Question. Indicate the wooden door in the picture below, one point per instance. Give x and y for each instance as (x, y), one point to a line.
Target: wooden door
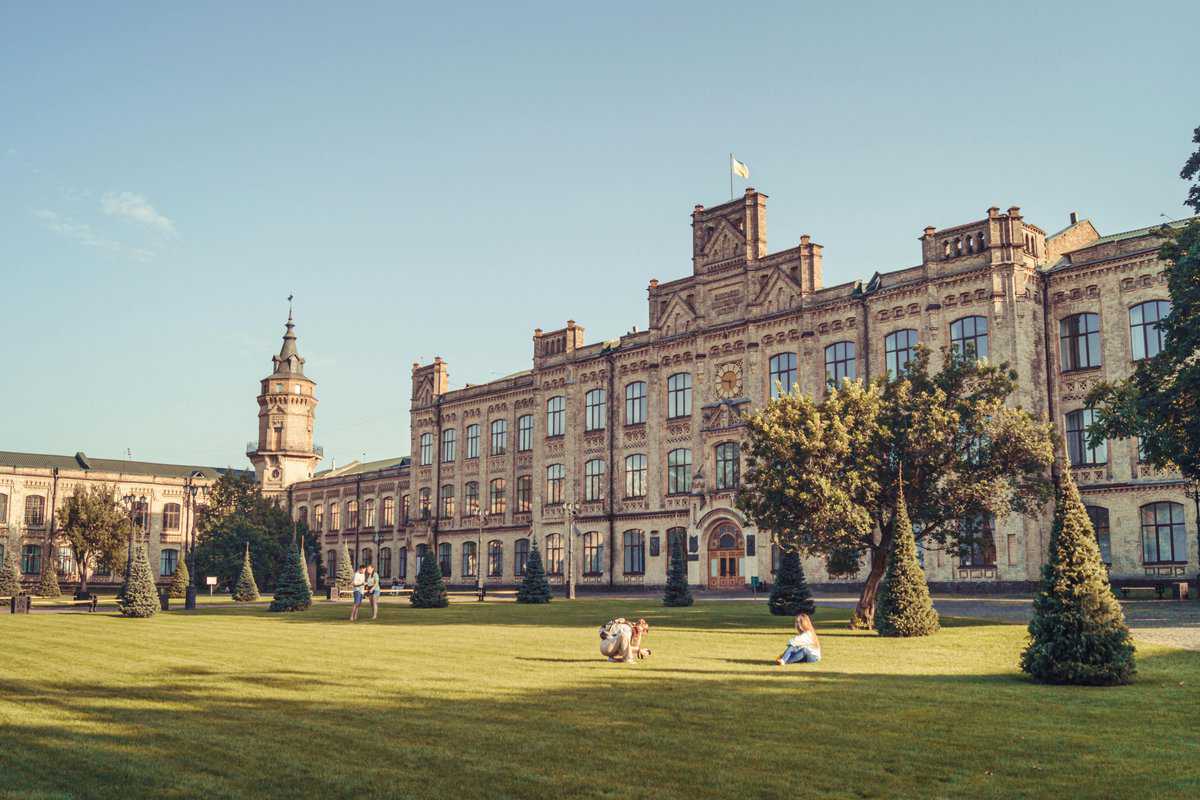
(725, 553)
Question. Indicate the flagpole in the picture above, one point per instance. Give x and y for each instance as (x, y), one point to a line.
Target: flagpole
(731, 176)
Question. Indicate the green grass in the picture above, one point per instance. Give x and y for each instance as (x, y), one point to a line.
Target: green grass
(500, 700)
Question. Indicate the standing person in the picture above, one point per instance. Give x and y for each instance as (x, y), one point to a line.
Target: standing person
(805, 646)
(371, 588)
(360, 580)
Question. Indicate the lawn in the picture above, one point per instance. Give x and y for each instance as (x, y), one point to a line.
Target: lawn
(500, 700)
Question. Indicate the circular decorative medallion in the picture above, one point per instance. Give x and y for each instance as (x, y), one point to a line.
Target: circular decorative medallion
(729, 380)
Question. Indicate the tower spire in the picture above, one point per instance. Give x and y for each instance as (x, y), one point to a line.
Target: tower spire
(289, 362)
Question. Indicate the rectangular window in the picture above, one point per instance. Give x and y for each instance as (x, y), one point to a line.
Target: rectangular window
(554, 554)
(556, 416)
(498, 496)
(1079, 342)
(447, 495)
(1145, 334)
(555, 479)
(593, 554)
(500, 435)
(977, 543)
(595, 410)
(1164, 537)
(524, 494)
(635, 553)
(368, 513)
(635, 475)
(635, 403)
(426, 449)
(782, 374)
(593, 480)
(471, 499)
(495, 559)
(679, 395)
(35, 512)
(679, 471)
(31, 559)
(728, 465)
(167, 561)
(449, 438)
(389, 512)
(470, 560)
(171, 517)
(472, 442)
(335, 516)
(1077, 440)
(520, 557)
(525, 433)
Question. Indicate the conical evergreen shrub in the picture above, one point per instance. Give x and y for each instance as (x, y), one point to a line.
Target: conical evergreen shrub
(431, 590)
(48, 585)
(304, 567)
(677, 593)
(140, 598)
(1078, 633)
(179, 580)
(904, 607)
(345, 570)
(10, 571)
(246, 590)
(790, 594)
(534, 587)
(291, 590)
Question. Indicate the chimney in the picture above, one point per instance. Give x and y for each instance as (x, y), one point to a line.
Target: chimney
(1074, 218)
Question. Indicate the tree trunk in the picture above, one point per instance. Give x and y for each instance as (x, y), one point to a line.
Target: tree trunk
(863, 617)
(81, 564)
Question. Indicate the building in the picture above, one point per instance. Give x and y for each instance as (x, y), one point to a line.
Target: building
(637, 439)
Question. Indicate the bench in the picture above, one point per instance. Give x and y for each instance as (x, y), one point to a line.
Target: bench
(90, 602)
(400, 591)
(1158, 589)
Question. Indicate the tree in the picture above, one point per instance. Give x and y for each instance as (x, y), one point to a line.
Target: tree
(292, 592)
(1191, 172)
(179, 580)
(246, 590)
(790, 595)
(95, 528)
(140, 597)
(303, 566)
(677, 592)
(905, 607)
(431, 590)
(10, 571)
(1078, 633)
(823, 477)
(48, 585)
(534, 587)
(345, 570)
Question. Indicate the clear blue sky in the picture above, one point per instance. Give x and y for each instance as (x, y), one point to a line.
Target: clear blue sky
(445, 179)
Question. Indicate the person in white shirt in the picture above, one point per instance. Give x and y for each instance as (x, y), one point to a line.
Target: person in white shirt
(360, 580)
(805, 646)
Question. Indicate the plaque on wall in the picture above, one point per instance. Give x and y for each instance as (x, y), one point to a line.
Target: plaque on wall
(750, 547)
(654, 548)
(693, 544)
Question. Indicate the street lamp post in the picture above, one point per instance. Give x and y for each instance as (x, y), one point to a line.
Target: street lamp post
(479, 552)
(1193, 494)
(131, 503)
(569, 511)
(191, 490)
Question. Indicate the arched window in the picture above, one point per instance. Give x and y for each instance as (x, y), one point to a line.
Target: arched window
(593, 480)
(980, 245)
(1145, 335)
(524, 494)
(969, 338)
(593, 554)
(1099, 517)
(405, 505)
(449, 441)
(171, 517)
(3, 508)
(958, 247)
(35, 512)
(471, 499)
(840, 362)
(554, 554)
(556, 424)
(470, 560)
(368, 513)
(318, 517)
(498, 496)
(635, 403)
(1077, 445)
(365, 558)
(899, 348)
(1164, 538)
(495, 552)
(555, 478)
(335, 516)
(679, 395)
(635, 475)
(444, 558)
(524, 433)
(977, 542)
(946, 249)
(302, 515)
(596, 410)
(679, 471)
(402, 563)
(1079, 341)
(389, 512)
(168, 560)
(385, 562)
(728, 465)
(423, 502)
(426, 451)
(331, 564)
(635, 552)
(520, 556)
(447, 501)
(472, 442)
(782, 373)
(351, 515)
(500, 435)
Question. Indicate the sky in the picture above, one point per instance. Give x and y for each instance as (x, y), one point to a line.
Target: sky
(441, 179)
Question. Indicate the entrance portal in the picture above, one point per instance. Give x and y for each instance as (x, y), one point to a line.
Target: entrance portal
(726, 548)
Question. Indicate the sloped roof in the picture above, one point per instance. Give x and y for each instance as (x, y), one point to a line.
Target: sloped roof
(359, 468)
(1149, 230)
(81, 461)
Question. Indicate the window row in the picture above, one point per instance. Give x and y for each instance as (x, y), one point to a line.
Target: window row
(387, 514)
(1079, 343)
(1163, 533)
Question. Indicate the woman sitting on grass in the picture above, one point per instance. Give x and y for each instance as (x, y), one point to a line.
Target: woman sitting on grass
(621, 640)
(804, 647)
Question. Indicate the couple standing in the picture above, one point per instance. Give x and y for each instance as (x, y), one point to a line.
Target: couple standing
(366, 581)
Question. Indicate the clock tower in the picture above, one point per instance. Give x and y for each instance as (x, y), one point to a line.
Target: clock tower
(286, 402)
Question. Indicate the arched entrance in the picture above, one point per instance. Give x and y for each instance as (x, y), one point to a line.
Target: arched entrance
(726, 549)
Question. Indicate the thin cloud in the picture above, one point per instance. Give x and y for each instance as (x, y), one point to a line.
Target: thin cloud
(135, 207)
(87, 236)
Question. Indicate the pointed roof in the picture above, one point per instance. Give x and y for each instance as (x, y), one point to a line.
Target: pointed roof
(288, 362)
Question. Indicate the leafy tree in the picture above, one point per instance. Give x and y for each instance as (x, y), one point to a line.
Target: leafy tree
(345, 570)
(139, 597)
(905, 607)
(790, 595)
(677, 592)
(48, 585)
(1078, 632)
(292, 592)
(246, 590)
(431, 589)
(10, 571)
(824, 476)
(1191, 172)
(534, 587)
(96, 529)
(179, 580)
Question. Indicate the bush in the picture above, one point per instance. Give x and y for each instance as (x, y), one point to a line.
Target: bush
(179, 580)
(304, 567)
(1078, 633)
(292, 592)
(48, 585)
(790, 594)
(431, 590)
(345, 571)
(246, 590)
(10, 571)
(140, 596)
(534, 587)
(677, 593)
(904, 607)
